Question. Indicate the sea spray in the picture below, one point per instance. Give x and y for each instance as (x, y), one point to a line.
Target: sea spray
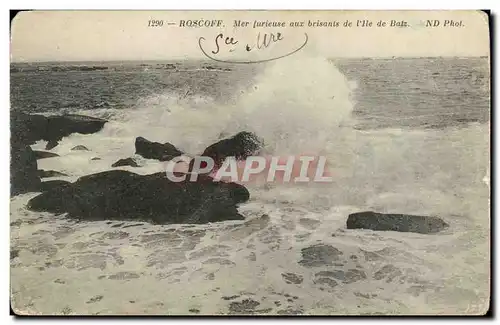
(294, 105)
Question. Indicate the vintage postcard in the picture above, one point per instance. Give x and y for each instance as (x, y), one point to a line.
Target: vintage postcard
(250, 163)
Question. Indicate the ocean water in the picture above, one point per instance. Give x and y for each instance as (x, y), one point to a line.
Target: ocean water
(400, 135)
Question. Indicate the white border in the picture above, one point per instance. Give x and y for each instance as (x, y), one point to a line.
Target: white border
(185, 4)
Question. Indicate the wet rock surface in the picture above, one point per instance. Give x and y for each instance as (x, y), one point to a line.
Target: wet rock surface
(122, 195)
(240, 146)
(155, 150)
(24, 176)
(395, 222)
(29, 128)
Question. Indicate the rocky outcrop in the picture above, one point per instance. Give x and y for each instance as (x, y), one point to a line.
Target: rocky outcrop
(395, 222)
(125, 162)
(155, 150)
(123, 195)
(23, 170)
(241, 145)
(29, 128)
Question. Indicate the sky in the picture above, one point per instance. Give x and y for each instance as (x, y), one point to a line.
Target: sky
(125, 35)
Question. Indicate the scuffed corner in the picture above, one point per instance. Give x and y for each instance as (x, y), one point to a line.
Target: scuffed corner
(484, 17)
(17, 312)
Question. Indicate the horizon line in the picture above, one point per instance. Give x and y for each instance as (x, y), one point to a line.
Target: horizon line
(208, 60)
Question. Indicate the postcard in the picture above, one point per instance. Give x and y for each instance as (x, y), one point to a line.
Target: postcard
(269, 163)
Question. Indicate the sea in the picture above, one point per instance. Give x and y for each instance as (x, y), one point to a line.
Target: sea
(401, 135)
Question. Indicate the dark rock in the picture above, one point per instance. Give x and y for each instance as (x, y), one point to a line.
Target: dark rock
(51, 144)
(194, 310)
(395, 222)
(55, 184)
(123, 195)
(240, 146)
(49, 173)
(155, 150)
(292, 278)
(23, 170)
(96, 158)
(27, 129)
(79, 148)
(319, 255)
(125, 162)
(39, 154)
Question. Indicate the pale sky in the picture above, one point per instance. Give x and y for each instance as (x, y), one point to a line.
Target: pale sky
(125, 35)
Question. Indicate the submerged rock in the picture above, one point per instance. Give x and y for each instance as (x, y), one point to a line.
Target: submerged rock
(395, 222)
(125, 162)
(39, 154)
(24, 176)
(319, 255)
(155, 150)
(123, 195)
(29, 128)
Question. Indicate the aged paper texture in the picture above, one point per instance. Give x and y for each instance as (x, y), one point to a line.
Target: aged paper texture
(250, 163)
